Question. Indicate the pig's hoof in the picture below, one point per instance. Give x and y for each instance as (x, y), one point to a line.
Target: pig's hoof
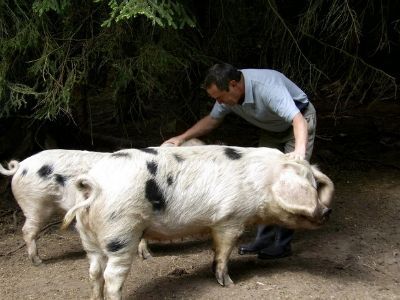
(224, 280)
(36, 261)
(145, 255)
(144, 252)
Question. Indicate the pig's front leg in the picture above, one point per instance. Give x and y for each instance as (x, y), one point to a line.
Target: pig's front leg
(224, 238)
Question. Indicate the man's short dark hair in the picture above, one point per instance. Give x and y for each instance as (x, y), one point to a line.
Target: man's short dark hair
(221, 75)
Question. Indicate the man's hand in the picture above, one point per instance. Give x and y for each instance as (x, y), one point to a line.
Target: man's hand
(202, 127)
(296, 155)
(174, 141)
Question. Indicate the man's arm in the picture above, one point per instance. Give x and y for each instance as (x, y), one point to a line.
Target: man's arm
(202, 127)
(300, 131)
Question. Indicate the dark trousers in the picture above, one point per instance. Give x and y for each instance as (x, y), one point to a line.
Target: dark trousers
(275, 235)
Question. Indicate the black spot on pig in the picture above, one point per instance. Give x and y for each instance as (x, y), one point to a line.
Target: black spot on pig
(232, 153)
(149, 150)
(152, 167)
(178, 158)
(121, 154)
(170, 181)
(60, 179)
(116, 245)
(154, 195)
(45, 171)
(24, 171)
(113, 215)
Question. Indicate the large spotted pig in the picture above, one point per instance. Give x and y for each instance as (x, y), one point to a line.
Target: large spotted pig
(172, 192)
(41, 184)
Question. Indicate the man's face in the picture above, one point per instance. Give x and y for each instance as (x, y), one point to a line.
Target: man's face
(230, 97)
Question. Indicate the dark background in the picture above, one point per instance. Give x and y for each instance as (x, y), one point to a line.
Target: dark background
(67, 81)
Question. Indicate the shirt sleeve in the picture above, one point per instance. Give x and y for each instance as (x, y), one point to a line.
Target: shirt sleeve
(219, 111)
(281, 102)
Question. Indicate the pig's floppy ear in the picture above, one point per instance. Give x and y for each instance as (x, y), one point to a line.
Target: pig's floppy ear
(325, 186)
(293, 192)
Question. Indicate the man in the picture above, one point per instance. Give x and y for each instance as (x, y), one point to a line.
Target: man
(269, 100)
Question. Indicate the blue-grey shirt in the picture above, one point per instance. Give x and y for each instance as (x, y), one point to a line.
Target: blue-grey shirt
(269, 101)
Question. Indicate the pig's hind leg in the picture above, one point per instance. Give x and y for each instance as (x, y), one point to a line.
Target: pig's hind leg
(120, 254)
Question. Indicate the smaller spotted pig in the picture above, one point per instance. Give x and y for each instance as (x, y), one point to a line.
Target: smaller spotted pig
(40, 185)
(170, 192)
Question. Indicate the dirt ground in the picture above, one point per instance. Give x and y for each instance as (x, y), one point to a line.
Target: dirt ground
(355, 256)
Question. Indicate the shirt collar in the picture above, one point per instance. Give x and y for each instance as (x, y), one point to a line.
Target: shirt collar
(248, 89)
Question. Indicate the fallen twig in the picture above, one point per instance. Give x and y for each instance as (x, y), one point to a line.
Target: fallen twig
(47, 227)
(6, 213)
(12, 251)
(39, 235)
(15, 220)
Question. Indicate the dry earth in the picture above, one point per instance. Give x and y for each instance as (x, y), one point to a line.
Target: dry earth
(356, 256)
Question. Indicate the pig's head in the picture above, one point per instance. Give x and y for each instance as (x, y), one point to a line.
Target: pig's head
(301, 196)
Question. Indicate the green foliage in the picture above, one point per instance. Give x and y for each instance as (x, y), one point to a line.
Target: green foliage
(43, 6)
(340, 34)
(162, 13)
(51, 48)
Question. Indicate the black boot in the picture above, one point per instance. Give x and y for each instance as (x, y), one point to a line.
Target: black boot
(281, 247)
(265, 237)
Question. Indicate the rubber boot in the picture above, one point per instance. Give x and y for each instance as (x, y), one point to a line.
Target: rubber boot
(281, 246)
(264, 238)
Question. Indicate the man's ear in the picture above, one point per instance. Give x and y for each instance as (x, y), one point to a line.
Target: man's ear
(293, 192)
(233, 83)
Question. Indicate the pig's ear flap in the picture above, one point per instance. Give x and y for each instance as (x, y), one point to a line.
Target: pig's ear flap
(293, 192)
(325, 186)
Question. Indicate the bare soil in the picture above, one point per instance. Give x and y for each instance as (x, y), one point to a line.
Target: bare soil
(355, 256)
